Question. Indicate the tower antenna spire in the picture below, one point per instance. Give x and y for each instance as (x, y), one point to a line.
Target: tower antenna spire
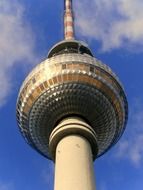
(68, 21)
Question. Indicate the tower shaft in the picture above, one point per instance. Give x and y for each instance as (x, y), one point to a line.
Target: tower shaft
(74, 164)
(73, 144)
(68, 21)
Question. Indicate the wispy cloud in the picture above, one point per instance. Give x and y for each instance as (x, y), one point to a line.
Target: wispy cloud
(115, 23)
(48, 175)
(103, 186)
(6, 186)
(132, 148)
(16, 43)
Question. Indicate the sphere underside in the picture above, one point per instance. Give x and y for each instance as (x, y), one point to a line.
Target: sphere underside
(71, 85)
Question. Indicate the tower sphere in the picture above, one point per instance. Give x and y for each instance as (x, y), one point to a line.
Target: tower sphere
(71, 82)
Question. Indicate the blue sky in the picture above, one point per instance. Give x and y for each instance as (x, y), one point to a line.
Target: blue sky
(114, 31)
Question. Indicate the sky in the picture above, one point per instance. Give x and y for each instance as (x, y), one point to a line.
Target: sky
(113, 30)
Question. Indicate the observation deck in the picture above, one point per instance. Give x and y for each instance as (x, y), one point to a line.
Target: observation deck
(71, 82)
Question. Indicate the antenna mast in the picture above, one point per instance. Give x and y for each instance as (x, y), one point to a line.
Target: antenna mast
(68, 21)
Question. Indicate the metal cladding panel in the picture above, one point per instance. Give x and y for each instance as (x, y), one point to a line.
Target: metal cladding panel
(71, 84)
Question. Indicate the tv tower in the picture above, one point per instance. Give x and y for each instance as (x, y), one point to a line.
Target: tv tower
(72, 109)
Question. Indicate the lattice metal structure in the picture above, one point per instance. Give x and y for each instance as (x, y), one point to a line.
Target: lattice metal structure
(71, 82)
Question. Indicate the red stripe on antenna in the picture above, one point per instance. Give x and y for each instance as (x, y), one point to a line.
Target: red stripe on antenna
(68, 21)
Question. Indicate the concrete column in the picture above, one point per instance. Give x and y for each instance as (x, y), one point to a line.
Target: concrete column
(73, 147)
(74, 164)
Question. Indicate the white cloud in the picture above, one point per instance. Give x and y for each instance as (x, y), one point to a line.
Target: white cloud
(132, 148)
(16, 43)
(115, 23)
